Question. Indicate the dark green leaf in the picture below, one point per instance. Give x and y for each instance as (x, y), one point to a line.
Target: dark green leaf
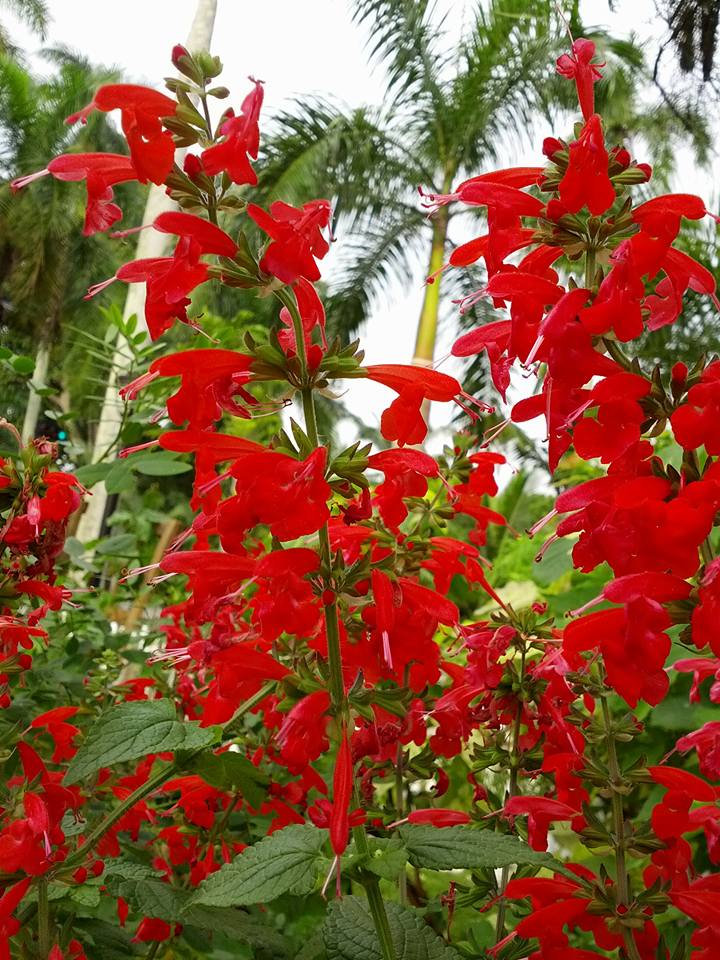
(92, 472)
(284, 862)
(131, 730)
(119, 477)
(231, 771)
(236, 925)
(465, 848)
(350, 934)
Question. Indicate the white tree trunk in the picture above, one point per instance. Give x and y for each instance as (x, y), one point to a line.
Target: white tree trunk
(150, 244)
(32, 411)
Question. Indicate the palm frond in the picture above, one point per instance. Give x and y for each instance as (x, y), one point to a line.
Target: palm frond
(319, 148)
(34, 13)
(386, 250)
(405, 38)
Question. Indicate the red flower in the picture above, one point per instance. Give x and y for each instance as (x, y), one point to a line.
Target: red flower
(152, 149)
(586, 182)
(100, 171)
(152, 930)
(695, 422)
(302, 736)
(439, 817)
(62, 732)
(541, 812)
(211, 381)
(296, 238)
(285, 600)
(242, 137)
(634, 646)
(706, 741)
(170, 279)
(9, 926)
(289, 496)
(578, 66)
(406, 473)
(403, 421)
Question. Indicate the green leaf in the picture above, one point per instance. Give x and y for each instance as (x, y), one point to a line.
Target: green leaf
(284, 862)
(388, 858)
(466, 848)
(121, 545)
(236, 925)
(350, 934)
(159, 466)
(119, 477)
(232, 771)
(23, 365)
(92, 472)
(131, 730)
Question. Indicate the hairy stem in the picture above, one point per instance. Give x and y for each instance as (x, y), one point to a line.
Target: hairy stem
(43, 919)
(400, 808)
(332, 629)
(512, 792)
(622, 881)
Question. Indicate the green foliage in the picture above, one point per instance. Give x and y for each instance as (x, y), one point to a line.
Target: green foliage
(465, 848)
(349, 934)
(284, 862)
(134, 729)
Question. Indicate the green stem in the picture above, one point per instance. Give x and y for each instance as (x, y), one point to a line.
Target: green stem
(43, 919)
(400, 807)
(618, 356)
(622, 881)
(332, 630)
(512, 792)
(152, 952)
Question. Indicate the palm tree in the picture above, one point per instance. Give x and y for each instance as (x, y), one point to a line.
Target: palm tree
(151, 244)
(34, 13)
(45, 263)
(448, 112)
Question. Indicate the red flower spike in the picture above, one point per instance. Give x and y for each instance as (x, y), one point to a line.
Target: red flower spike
(578, 66)
(241, 139)
(586, 182)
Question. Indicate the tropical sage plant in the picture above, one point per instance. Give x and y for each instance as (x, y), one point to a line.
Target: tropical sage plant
(348, 744)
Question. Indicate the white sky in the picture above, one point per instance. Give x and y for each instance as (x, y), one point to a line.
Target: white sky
(295, 46)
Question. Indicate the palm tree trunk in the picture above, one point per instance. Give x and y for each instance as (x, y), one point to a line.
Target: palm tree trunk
(428, 322)
(151, 244)
(39, 380)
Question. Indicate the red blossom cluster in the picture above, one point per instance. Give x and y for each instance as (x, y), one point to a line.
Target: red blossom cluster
(316, 581)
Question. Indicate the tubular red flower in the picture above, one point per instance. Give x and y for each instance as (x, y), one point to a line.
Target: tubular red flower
(151, 148)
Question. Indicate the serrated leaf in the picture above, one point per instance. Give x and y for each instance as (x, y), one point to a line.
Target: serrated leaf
(284, 862)
(236, 925)
(131, 730)
(388, 859)
(153, 898)
(465, 848)
(349, 934)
